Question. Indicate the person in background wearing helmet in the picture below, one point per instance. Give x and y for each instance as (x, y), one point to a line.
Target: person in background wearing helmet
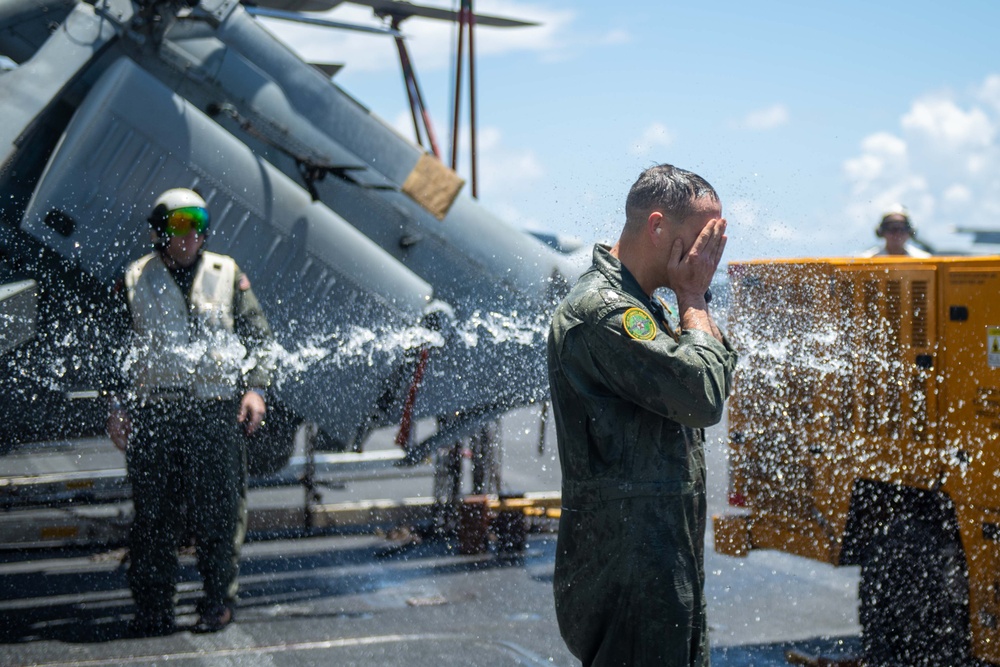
(897, 231)
(192, 385)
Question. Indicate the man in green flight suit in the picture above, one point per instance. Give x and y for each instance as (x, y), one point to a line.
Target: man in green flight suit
(631, 396)
(195, 384)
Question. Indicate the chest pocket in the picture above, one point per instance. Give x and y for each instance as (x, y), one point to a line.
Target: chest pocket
(663, 448)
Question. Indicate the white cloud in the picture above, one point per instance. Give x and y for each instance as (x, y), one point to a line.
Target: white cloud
(947, 126)
(978, 163)
(958, 194)
(941, 163)
(989, 92)
(403, 123)
(883, 156)
(770, 118)
(886, 144)
(655, 136)
(506, 169)
(502, 171)
(549, 35)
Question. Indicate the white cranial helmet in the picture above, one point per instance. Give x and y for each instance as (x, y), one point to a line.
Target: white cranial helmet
(171, 200)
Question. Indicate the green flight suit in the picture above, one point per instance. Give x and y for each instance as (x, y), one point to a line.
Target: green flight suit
(187, 464)
(629, 574)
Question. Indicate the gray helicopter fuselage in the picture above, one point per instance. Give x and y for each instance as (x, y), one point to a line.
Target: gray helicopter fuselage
(313, 195)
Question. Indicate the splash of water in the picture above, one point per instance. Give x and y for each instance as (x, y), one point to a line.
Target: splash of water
(502, 328)
(57, 364)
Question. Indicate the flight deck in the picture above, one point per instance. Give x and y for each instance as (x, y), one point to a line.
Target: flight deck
(393, 597)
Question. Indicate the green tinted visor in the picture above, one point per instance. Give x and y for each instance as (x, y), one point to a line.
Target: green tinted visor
(181, 221)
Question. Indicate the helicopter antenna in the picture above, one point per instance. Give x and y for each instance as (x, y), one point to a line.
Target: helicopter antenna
(418, 109)
(465, 18)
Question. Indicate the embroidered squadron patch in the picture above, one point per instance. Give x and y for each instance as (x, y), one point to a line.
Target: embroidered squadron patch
(638, 324)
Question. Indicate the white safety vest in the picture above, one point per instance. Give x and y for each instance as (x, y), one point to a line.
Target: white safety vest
(194, 349)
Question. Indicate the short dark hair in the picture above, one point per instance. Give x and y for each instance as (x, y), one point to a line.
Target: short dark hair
(667, 188)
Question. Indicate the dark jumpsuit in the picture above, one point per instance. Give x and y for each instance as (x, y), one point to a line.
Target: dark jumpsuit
(629, 575)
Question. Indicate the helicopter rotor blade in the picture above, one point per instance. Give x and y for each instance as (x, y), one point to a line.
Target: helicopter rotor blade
(295, 5)
(296, 17)
(398, 9)
(401, 10)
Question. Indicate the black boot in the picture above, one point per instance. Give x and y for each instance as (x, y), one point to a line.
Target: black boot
(152, 623)
(213, 617)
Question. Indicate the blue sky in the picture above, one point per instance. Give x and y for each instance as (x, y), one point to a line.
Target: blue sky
(808, 118)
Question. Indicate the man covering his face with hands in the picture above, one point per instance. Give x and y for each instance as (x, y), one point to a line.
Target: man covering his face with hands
(633, 386)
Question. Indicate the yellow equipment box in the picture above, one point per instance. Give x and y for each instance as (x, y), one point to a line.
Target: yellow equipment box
(865, 430)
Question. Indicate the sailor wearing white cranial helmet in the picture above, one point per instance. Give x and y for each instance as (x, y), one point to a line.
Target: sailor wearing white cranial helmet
(193, 389)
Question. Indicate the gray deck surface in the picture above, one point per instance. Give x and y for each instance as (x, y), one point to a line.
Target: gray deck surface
(365, 600)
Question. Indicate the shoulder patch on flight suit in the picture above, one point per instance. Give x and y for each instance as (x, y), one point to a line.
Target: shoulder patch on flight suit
(638, 324)
(244, 283)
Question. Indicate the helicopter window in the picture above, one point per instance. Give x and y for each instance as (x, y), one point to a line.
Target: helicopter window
(60, 222)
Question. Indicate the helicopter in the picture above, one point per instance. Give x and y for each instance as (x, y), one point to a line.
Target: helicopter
(394, 296)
